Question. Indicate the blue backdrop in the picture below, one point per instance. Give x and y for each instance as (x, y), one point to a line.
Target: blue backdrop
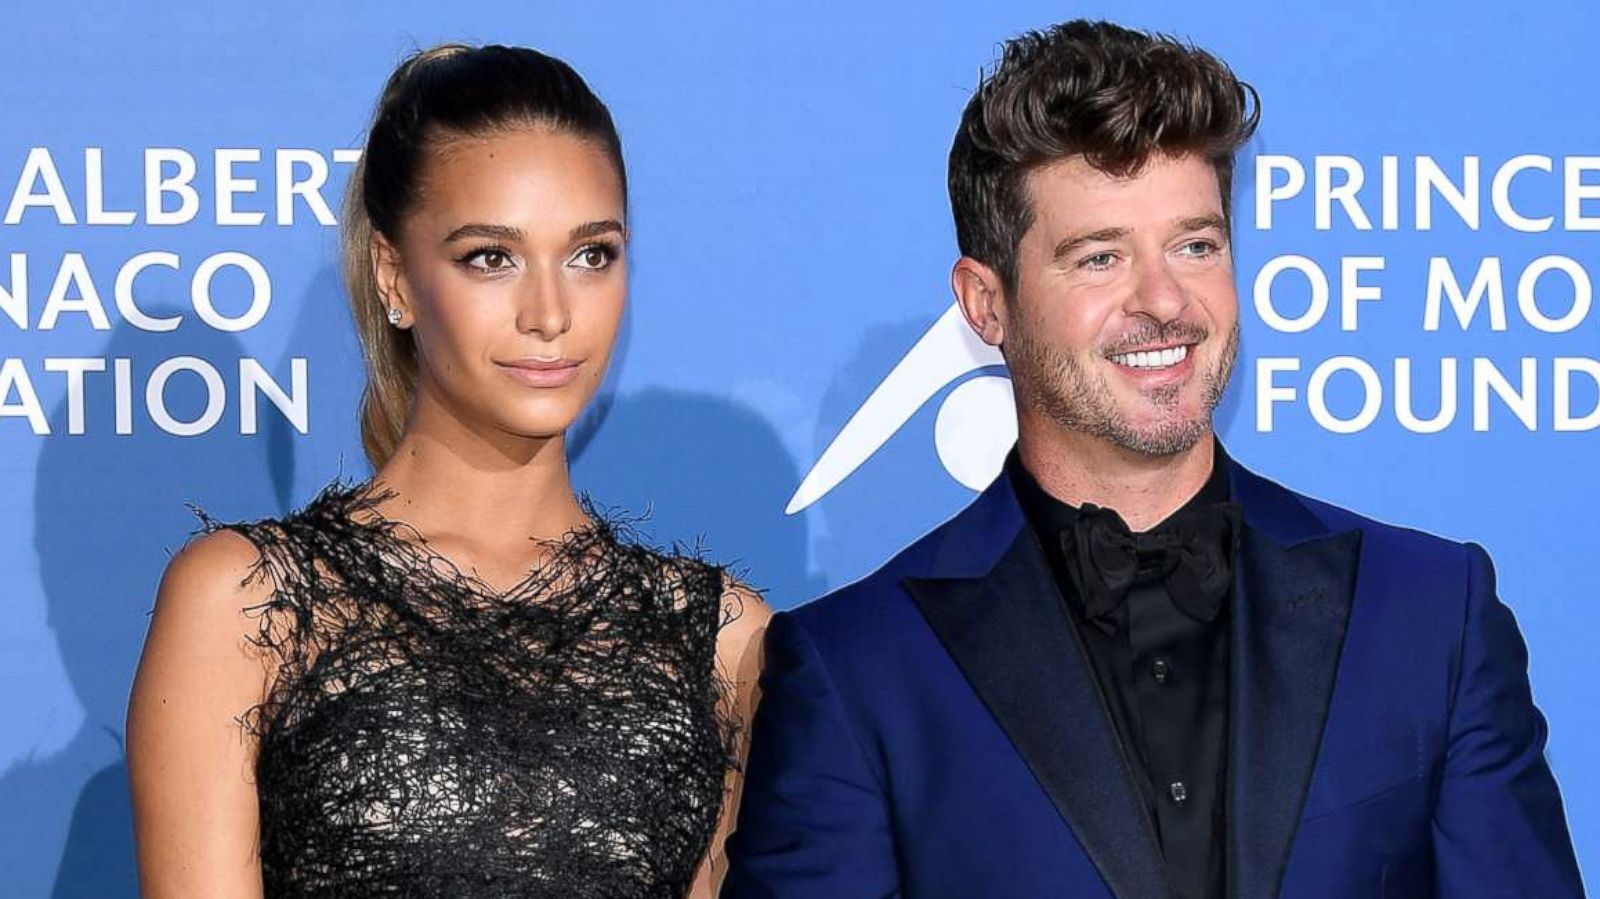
(791, 249)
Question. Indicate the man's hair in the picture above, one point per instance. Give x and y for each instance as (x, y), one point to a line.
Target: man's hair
(1093, 89)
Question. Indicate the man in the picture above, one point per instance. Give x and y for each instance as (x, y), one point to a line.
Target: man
(1133, 668)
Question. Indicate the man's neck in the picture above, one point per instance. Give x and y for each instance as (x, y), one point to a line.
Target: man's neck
(1144, 489)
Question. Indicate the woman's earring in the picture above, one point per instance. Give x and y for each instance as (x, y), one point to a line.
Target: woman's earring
(394, 316)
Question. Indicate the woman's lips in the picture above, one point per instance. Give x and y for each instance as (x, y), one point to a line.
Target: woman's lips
(542, 372)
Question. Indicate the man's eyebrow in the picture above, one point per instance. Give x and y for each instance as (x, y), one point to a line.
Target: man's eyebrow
(504, 233)
(1066, 246)
(595, 229)
(1202, 222)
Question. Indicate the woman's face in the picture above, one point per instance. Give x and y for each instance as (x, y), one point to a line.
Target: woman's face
(510, 270)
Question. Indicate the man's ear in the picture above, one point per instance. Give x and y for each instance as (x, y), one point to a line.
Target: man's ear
(390, 277)
(978, 289)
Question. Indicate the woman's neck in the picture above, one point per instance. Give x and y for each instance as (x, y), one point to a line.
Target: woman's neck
(449, 476)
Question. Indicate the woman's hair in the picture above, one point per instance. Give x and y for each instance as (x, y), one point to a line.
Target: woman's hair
(1093, 89)
(437, 95)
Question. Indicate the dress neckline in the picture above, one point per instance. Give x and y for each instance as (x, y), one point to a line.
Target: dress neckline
(403, 548)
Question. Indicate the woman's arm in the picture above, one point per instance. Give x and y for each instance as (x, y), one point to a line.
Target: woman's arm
(189, 758)
(739, 660)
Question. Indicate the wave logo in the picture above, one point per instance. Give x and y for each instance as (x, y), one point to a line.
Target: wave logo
(976, 424)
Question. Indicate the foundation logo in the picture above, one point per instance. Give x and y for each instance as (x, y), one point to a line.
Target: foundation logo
(975, 426)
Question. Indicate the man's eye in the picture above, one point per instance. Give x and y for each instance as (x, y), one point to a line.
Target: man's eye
(1099, 260)
(1198, 248)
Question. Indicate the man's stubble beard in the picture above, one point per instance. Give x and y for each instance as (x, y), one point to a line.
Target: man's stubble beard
(1055, 385)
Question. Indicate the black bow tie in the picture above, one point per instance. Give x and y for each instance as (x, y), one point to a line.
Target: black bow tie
(1191, 552)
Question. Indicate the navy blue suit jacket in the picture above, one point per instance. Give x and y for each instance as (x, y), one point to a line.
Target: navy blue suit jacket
(934, 729)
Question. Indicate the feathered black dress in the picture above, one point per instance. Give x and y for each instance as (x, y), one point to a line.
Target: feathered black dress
(426, 736)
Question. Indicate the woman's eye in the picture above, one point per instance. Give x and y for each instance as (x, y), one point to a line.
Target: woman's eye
(489, 260)
(596, 256)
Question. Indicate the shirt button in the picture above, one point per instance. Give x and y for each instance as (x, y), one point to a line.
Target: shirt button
(1178, 792)
(1159, 671)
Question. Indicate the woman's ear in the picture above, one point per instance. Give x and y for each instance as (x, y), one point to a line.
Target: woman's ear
(390, 277)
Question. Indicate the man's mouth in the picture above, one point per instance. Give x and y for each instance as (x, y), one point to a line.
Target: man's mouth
(1153, 359)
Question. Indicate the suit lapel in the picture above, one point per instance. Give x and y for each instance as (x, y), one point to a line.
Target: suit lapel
(1009, 633)
(1291, 606)
(989, 596)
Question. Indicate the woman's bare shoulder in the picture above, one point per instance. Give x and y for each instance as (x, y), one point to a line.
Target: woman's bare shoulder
(745, 614)
(215, 561)
(209, 587)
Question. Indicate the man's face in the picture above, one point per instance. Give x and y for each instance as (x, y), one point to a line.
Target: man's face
(1124, 323)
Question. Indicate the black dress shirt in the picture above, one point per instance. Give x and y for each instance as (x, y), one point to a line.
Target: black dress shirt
(1164, 678)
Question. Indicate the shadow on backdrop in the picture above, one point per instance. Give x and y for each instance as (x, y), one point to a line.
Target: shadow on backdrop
(708, 471)
(110, 512)
(859, 530)
(325, 336)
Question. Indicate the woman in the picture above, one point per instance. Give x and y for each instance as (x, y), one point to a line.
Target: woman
(455, 680)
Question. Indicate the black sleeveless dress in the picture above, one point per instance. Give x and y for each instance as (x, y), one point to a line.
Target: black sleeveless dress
(426, 736)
